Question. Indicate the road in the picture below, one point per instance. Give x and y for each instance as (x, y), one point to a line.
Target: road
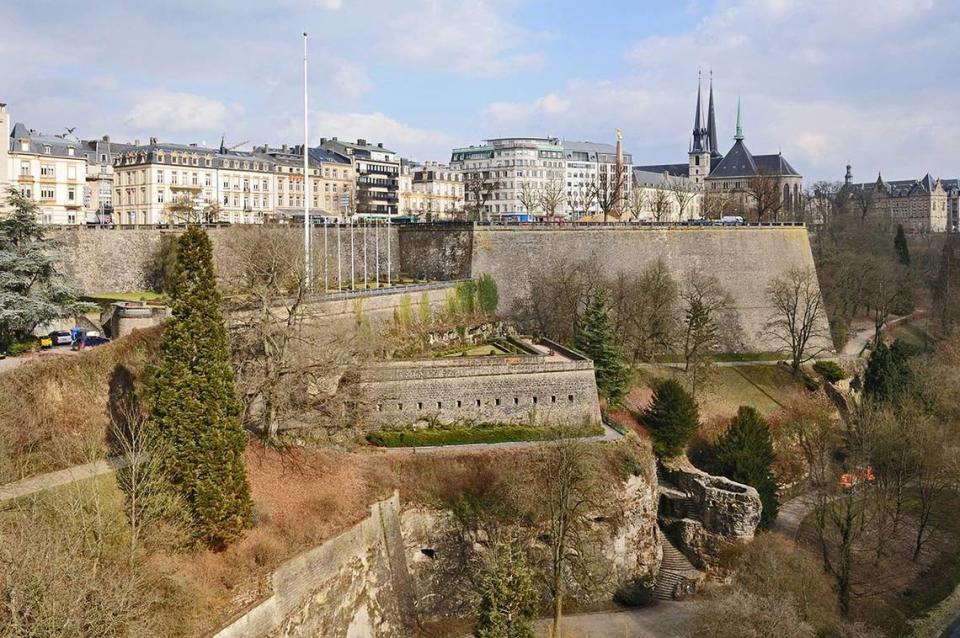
(12, 363)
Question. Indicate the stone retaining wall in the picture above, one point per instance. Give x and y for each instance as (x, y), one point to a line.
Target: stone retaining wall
(356, 584)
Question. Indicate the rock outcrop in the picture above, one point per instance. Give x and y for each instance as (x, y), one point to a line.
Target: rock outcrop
(704, 514)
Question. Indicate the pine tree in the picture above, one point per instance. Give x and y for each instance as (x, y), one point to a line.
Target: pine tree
(595, 338)
(900, 246)
(671, 418)
(194, 404)
(745, 454)
(508, 596)
(32, 290)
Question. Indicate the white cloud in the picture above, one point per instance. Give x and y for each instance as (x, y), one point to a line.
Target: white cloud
(409, 141)
(349, 80)
(825, 82)
(174, 112)
(473, 37)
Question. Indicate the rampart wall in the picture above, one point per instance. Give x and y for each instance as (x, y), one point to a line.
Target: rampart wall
(122, 259)
(495, 389)
(744, 259)
(356, 584)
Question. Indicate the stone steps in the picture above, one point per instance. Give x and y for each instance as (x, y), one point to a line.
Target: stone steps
(674, 570)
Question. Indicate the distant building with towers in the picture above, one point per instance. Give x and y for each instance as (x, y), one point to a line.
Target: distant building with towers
(734, 178)
(924, 205)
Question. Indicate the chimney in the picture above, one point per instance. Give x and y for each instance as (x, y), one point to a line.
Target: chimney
(380, 144)
(136, 142)
(334, 139)
(153, 140)
(323, 141)
(106, 138)
(284, 148)
(361, 142)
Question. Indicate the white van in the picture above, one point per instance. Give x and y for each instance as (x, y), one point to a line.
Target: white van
(732, 220)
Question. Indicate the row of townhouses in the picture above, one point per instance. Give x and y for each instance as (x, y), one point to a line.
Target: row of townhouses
(76, 181)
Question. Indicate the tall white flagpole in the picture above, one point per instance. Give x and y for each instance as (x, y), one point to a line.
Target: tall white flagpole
(308, 266)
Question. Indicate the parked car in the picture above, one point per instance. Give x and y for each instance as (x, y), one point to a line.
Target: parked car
(89, 341)
(46, 342)
(61, 338)
(732, 220)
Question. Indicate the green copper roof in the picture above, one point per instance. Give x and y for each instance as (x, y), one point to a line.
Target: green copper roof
(739, 135)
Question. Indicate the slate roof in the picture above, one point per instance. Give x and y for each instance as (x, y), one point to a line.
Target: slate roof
(592, 151)
(676, 170)
(58, 145)
(738, 162)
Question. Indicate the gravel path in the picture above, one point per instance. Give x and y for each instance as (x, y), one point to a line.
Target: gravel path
(661, 620)
(42, 482)
(609, 434)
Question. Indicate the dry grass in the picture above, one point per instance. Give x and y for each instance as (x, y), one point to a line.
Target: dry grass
(54, 414)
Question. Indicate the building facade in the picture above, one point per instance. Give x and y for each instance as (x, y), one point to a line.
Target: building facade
(377, 172)
(503, 176)
(738, 181)
(436, 192)
(595, 171)
(924, 205)
(49, 169)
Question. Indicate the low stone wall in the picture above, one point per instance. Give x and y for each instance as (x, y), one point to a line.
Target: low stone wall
(706, 514)
(494, 389)
(354, 585)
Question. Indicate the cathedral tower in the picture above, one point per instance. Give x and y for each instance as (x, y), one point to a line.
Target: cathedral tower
(699, 155)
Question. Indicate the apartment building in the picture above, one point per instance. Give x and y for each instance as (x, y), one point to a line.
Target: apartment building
(49, 169)
(332, 182)
(377, 171)
(437, 192)
(98, 198)
(501, 174)
(591, 170)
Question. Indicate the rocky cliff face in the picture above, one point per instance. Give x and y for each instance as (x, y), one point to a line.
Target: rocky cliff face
(442, 555)
(705, 514)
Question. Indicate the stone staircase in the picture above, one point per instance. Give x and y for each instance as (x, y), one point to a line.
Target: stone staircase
(676, 573)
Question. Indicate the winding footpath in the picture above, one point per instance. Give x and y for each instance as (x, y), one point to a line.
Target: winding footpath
(41, 482)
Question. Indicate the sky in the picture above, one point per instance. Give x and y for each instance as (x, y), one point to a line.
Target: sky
(826, 82)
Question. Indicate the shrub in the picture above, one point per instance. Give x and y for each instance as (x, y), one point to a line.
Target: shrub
(637, 592)
(671, 419)
(488, 298)
(410, 436)
(809, 382)
(830, 370)
(508, 594)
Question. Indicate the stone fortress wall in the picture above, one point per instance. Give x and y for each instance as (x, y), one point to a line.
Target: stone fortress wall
(548, 385)
(119, 260)
(744, 259)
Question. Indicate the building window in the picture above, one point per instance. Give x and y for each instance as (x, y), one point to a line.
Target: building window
(71, 194)
(46, 193)
(47, 149)
(570, 398)
(159, 177)
(47, 170)
(25, 168)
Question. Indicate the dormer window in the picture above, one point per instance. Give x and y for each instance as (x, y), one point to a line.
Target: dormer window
(47, 149)
(70, 151)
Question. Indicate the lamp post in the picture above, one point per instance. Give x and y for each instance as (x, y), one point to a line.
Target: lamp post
(308, 275)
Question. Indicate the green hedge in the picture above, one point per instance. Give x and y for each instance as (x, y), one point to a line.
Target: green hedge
(830, 370)
(465, 434)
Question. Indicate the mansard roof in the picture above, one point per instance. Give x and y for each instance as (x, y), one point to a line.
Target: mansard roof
(593, 152)
(59, 146)
(675, 170)
(775, 165)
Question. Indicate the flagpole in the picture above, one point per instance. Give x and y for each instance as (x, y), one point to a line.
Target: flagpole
(308, 267)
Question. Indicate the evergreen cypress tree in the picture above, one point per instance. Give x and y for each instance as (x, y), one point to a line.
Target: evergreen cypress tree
(194, 404)
(508, 596)
(900, 246)
(671, 419)
(887, 376)
(745, 454)
(595, 339)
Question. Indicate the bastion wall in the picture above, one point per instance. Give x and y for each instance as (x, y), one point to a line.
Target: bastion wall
(744, 259)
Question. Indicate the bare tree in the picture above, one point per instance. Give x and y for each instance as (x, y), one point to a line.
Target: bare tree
(798, 315)
(573, 494)
(478, 187)
(643, 310)
(552, 197)
(278, 352)
(864, 201)
(637, 202)
(530, 196)
(764, 189)
(582, 200)
(710, 324)
(716, 204)
(683, 192)
(607, 190)
(660, 203)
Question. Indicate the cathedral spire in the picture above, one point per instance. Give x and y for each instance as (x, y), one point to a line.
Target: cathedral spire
(739, 135)
(712, 122)
(699, 133)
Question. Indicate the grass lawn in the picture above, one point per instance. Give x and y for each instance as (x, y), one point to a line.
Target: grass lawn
(764, 387)
(477, 351)
(731, 356)
(465, 435)
(913, 333)
(891, 591)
